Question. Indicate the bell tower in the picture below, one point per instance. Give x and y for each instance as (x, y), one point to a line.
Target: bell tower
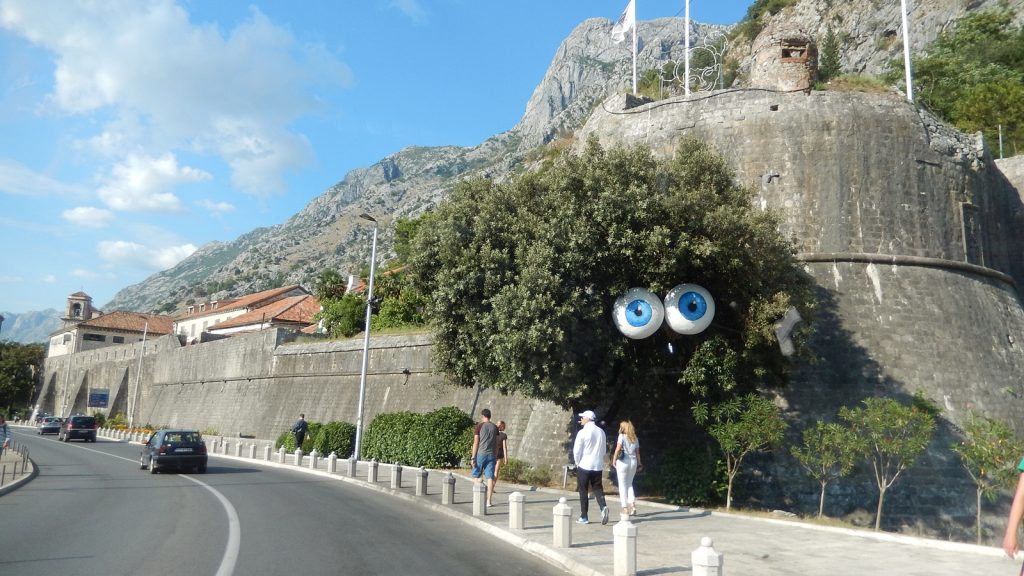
(79, 309)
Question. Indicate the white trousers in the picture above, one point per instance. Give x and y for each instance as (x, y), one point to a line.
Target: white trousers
(626, 470)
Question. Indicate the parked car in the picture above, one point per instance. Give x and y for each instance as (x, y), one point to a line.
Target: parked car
(49, 425)
(78, 426)
(177, 449)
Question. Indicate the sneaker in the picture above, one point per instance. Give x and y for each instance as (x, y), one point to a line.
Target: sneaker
(604, 515)
(582, 521)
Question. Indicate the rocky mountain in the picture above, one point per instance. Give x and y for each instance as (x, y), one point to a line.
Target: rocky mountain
(29, 327)
(585, 70)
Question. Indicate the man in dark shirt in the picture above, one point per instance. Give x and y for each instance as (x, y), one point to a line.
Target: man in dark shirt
(300, 430)
(484, 442)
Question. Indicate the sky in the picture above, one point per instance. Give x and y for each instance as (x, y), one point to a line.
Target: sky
(132, 132)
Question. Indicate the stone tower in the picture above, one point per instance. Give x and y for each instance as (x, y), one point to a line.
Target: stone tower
(79, 309)
(783, 58)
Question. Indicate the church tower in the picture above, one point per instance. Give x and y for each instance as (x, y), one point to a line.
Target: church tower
(79, 309)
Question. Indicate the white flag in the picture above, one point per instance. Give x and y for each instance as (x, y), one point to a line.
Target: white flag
(626, 23)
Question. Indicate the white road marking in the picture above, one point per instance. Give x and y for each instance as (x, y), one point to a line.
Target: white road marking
(230, 558)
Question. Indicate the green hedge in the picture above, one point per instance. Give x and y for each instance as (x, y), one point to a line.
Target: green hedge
(337, 437)
(436, 439)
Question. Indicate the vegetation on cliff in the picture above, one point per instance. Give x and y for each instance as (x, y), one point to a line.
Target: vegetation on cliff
(973, 76)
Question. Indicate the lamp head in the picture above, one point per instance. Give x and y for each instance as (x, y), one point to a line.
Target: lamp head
(366, 216)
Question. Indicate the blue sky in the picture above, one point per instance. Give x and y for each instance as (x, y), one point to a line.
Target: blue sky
(133, 132)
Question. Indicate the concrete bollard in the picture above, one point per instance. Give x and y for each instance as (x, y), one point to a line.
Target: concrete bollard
(516, 511)
(479, 499)
(624, 547)
(281, 455)
(396, 476)
(298, 456)
(332, 463)
(266, 452)
(314, 459)
(351, 465)
(252, 451)
(226, 445)
(448, 490)
(238, 449)
(371, 473)
(562, 522)
(705, 560)
(421, 482)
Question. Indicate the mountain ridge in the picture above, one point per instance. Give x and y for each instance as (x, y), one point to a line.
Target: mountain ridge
(585, 69)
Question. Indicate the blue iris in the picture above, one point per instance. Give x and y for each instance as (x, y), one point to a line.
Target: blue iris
(692, 306)
(638, 313)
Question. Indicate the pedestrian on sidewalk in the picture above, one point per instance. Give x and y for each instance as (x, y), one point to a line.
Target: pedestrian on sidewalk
(500, 450)
(5, 435)
(626, 461)
(1016, 513)
(588, 452)
(299, 429)
(485, 436)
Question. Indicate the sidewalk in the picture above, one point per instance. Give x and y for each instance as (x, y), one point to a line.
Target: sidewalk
(14, 470)
(668, 534)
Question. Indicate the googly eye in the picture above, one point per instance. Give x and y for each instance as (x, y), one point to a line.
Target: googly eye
(638, 313)
(689, 309)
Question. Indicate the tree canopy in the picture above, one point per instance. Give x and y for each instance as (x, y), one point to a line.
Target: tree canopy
(19, 363)
(520, 278)
(973, 75)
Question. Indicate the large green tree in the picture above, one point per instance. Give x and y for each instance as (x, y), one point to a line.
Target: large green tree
(19, 363)
(520, 278)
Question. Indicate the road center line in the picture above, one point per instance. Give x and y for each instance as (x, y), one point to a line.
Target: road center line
(230, 558)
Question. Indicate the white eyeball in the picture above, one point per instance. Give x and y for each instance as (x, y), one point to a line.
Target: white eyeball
(689, 309)
(638, 313)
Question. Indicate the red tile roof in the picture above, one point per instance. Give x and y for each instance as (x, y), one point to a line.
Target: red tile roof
(294, 310)
(131, 322)
(249, 302)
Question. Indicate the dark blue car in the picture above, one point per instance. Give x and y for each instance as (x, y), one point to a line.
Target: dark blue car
(174, 449)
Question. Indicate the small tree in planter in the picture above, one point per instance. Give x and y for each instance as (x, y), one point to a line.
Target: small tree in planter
(829, 452)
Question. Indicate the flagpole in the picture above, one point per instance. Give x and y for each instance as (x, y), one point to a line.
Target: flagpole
(906, 52)
(686, 82)
(634, 54)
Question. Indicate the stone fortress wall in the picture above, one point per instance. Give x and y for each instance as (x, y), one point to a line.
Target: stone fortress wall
(914, 238)
(258, 384)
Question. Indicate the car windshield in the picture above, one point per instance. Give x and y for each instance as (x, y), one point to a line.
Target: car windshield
(83, 421)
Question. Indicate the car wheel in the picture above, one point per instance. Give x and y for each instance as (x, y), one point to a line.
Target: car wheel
(152, 466)
(142, 462)
(201, 469)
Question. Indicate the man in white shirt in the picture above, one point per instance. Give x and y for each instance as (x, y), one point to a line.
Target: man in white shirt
(588, 452)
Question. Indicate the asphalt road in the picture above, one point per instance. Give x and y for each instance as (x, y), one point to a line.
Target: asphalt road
(92, 511)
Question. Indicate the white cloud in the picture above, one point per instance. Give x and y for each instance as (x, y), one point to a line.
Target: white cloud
(216, 208)
(142, 183)
(20, 180)
(131, 254)
(88, 216)
(411, 8)
(176, 85)
(83, 273)
(49, 279)
(6, 279)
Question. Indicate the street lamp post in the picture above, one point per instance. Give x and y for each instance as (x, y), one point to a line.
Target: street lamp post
(138, 376)
(1, 339)
(366, 340)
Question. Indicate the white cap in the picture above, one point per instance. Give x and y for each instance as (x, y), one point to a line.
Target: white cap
(589, 415)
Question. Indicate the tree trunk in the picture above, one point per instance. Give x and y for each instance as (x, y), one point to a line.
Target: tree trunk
(821, 500)
(878, 513)
(977, 520)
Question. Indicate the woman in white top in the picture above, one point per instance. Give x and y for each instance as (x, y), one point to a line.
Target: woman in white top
(627, 462)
